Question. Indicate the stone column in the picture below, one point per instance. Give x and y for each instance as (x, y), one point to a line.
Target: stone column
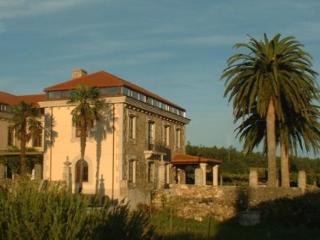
(302, 179)
(161, 174)
(198, 178)
(203, 167)
(3, 170)
(168, 173)
(181, 176)
(215, 175)
(67, 177)
(33, 174)
(253, 177)
(173, 175)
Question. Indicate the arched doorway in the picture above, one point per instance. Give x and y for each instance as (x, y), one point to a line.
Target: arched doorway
(85, 174)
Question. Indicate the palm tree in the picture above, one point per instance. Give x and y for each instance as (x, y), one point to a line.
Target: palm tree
(298, 131)
(26, 124)
(256, 80)
(88, 109)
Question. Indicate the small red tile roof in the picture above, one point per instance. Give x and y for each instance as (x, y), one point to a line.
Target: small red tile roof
(104, 79)
(186, 159)
(10, 99)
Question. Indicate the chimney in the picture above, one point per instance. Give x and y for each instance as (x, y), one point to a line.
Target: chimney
(78, 72)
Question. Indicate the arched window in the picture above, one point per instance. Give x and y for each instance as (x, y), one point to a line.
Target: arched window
(85, 175)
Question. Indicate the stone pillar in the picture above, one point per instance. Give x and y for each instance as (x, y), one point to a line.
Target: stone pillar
(3, 170)
(203, 167)
(173, 175)
(168, 173)
(67, 177)
(198, 178)
(161, 174)
(38, 171)
(253, 177)
(181, 176)
(33, 174)
(302, 179)
(215, 175)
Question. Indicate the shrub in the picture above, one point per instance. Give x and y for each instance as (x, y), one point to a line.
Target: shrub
(118, 223)
(303, 210)
(29, 210)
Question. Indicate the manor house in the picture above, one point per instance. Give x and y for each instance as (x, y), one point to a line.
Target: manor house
(137, 146)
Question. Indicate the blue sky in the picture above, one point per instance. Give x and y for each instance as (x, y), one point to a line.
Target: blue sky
(176, 48)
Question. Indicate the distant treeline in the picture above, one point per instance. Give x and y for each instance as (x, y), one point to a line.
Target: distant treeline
(236, 163)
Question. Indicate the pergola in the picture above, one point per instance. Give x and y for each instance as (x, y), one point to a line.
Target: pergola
(201, 164)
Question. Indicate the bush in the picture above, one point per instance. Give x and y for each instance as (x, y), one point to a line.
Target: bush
(303, 210)
(117, 222)
(29, 210)
(29, 213)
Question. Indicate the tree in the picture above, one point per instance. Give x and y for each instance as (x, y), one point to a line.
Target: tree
(272, 71)
(89, 107)
(26, 125)
(298, 131)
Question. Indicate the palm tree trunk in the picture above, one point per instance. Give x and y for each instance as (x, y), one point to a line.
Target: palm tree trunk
(83, 140)
(271, 145)
(23, 160)
(285, 179)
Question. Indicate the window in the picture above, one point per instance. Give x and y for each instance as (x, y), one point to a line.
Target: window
(149, 100)
(150, 172)
(143, 97)
(132, 171)
(151, 135)
(78, 128)
(178, 138)
(135, 94)
(125, 91)
(10, 136)
(132, 127)
(166, 135)
(59, 94)
(4, 108)
(85, 175)
(156, 103)
(109, 90)
(37, 140)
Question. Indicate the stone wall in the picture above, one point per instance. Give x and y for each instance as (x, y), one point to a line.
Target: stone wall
(223, 203)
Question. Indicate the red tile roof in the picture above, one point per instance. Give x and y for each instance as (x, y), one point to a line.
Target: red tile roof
(35, 98)
(10, 99)
(185, 159)
(7, 98)
(103, 79)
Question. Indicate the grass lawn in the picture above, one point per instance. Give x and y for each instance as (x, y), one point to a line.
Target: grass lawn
(177, 228)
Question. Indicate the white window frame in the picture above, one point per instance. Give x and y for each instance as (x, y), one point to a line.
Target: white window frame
(150, 172)
(132, 163)
(178, 138)
(166, 135)
(132, 126)
(151, 133)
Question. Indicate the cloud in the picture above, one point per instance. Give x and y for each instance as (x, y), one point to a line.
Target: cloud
(137, 59)
(21, 8)
(213, 40)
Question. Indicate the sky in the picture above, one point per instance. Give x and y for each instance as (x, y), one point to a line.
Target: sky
(176, 48)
